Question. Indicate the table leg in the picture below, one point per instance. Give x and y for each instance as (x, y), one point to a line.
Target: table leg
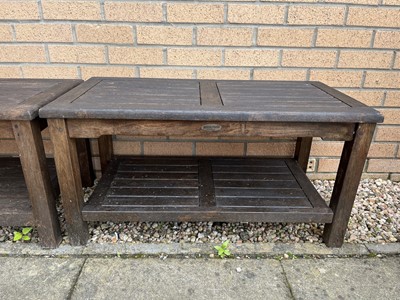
(69, 178)
(302, 152)
(33, 160)
(105, 151)
(85, 162)
(347, 180)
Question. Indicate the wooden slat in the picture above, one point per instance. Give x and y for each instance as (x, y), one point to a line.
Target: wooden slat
(209, 94)
(26, 105)
(254, 184)
(220, 101)
(15, 206)
(144, 202)
(156, 176)
(133, 192)
(247, 177)
(262, 202)
(338, 95)
(167, 183)
(308, 189)
(259, 193)
(159, 168)
(250, 169)
(234, 199)
(206, 184)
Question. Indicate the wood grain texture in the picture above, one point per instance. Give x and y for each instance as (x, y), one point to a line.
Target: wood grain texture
(82, 128)
(33, 160)
(68, 172)
(183, 189)
(6, 131)
(194, 100)
(346, 184)
(21, 99)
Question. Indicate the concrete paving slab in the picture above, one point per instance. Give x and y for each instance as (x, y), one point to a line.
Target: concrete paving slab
(269, 249)
(392, 248)
(37, 278)
(344, 278)
(152, 278)
(31, 249)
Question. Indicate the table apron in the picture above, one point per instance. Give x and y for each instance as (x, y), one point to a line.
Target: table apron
(94, 128)
(6, 131)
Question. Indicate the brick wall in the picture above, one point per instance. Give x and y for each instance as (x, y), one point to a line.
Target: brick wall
(352, 45)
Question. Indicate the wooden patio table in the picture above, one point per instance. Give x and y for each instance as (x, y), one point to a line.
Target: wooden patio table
(208, 188)
(26, 191)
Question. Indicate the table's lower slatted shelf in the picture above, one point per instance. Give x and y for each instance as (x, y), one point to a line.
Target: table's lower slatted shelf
(15, 207)
(206, 189)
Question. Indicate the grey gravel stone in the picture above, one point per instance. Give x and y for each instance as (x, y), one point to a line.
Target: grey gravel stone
(181, 279)
(375, 218)
(344, 278)
(37, 278)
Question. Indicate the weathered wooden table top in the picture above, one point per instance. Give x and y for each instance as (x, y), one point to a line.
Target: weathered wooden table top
(200, 100)
(20, 99)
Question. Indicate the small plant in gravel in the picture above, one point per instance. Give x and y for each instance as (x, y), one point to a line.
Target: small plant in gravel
(223, 250)
(23, 234)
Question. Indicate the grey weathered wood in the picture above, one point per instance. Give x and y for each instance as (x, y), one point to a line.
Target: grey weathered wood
(21, 100)
(346, 184)
(223, 101)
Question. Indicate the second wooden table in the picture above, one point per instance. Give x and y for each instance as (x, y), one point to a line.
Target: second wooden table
(208, 189)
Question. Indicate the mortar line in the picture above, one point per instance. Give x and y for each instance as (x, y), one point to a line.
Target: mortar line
(371, 45)
(226, 11)
(194, 36)
(255, 36)
(314, 38)
(106, 55)
(364, 75)
(75, 281)
(215, 25)
(164, 11)
(286, 15)
(102, 11)
(287, 283)
(392, 64)
(135, 35)
(40, 10)
(13, 33)
(346, 15)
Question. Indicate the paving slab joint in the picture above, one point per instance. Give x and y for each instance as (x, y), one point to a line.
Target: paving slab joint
(75, 281)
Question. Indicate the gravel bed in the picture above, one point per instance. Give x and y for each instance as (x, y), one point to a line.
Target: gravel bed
(375, 218)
